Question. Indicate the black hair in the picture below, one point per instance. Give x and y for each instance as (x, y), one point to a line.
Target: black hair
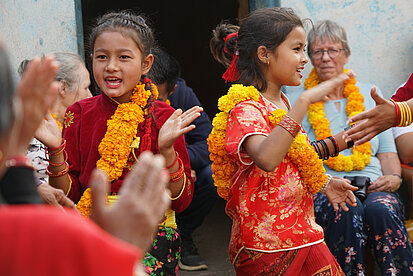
(267, 27)
(129, 24)
(165, 69)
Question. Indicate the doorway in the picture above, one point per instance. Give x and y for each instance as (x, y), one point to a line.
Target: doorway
(183, 28)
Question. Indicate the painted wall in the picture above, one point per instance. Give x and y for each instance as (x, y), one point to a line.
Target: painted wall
(380, 34)
(35, 27)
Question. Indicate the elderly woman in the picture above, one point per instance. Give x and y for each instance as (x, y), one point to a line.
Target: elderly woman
(74, 81)
(378, 220)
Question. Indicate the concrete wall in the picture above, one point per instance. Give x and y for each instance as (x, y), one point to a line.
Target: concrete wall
(380, 35)
(34, 27)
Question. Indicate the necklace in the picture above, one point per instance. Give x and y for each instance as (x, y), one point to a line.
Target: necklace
(223, 167)
(361, 154)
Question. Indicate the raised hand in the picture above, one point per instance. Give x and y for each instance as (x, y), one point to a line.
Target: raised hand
(143, 199)
(340, 192)
(49, 132)
(320, 92)
(178, 124)
(373, 121)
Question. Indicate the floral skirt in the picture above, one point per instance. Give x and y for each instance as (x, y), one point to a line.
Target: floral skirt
(377, 223)
(163, 257)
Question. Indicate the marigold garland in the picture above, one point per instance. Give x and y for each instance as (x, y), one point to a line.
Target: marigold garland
(121, 130)
(115, 146)
(321, 125)
(223, 167)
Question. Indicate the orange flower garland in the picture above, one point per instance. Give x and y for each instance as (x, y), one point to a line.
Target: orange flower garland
(115, 146)
(121, 130)
(321, 125)
(223, 167)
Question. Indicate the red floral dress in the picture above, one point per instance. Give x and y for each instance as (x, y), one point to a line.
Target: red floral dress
(271, 211)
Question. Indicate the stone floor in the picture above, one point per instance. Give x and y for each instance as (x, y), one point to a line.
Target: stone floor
(212, 240)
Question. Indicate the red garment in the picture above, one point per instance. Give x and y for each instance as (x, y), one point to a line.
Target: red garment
(44, 241)
(315, 260)
(271, 211)
(85, 127)
(405, 92)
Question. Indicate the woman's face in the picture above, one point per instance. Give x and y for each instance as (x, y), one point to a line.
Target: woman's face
(80, 90)
(325, 66)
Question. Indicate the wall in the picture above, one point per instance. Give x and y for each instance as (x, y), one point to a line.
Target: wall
(380, 34)
(34, 27)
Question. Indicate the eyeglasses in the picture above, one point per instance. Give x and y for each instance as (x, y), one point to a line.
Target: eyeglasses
(332, 53)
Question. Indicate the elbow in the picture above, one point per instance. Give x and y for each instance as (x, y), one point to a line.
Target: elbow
(265, 165)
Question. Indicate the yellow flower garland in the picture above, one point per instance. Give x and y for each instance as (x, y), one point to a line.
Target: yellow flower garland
(321, 125)
(223, 167)
(115, 146)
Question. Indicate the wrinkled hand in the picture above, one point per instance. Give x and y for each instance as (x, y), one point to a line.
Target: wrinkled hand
(373, 121)
(53, 196)
(177, 125)
(340, 192)
(143, 199)
(49, 132)
(36, 91)
(320, 92)
(385, 183)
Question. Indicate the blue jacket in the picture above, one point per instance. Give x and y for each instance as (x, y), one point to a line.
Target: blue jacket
(196, 144)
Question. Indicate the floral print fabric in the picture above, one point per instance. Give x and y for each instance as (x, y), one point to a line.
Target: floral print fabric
(377, 223)
(271, 211)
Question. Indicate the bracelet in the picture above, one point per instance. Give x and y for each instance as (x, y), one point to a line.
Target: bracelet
(59, 164)
(173, 163)
(59, 173)
(58, 150)
(398, 118)
(325, 149)
(176, 176)
(324, 188)
(316, 148)
(290, 125)
(333, 140)
(403, 114)
(70, 185)
(407, 114)
(19, 161)
(182, 190)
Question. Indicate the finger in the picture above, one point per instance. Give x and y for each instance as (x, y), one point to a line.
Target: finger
(350, 187)
(190, 118)
(335, 206)
(187, 129)
(176, 114)
(343, 206)
(100, 186)
(66, 202)
(350, 202)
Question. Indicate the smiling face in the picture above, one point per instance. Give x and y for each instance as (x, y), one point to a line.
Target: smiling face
(118, 64)
(327, 67)
(287, 61)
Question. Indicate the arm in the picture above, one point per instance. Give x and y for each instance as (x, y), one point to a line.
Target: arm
(404, 144)
(390, 180)
(267, 152)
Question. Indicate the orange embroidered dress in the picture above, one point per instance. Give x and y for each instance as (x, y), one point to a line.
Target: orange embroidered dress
(271, 211)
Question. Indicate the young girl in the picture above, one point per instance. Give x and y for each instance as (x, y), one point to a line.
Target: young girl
(263, 162)
(109, 131)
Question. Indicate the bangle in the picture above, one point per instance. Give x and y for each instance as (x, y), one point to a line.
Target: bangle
(182, 190)
(316, 148)
(290, 125)
(325, 149)
(59, 173)
(70, 185)
(59, 164)
(173, 163)
(19, 161)
(176, 176)
(333, 140)
(58, 150)
(324, 188)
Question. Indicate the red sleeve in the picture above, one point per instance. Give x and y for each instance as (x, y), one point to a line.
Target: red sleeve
(71, 132)
(245, 119)
(405, 92)
(162, 113)
(42, 240)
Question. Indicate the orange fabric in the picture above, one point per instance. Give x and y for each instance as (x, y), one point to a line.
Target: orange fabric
(270, 210)
(44, 240)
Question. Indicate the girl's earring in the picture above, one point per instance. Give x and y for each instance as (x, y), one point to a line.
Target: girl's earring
(268, 62)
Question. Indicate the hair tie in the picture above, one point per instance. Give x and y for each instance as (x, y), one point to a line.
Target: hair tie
(231, 74)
